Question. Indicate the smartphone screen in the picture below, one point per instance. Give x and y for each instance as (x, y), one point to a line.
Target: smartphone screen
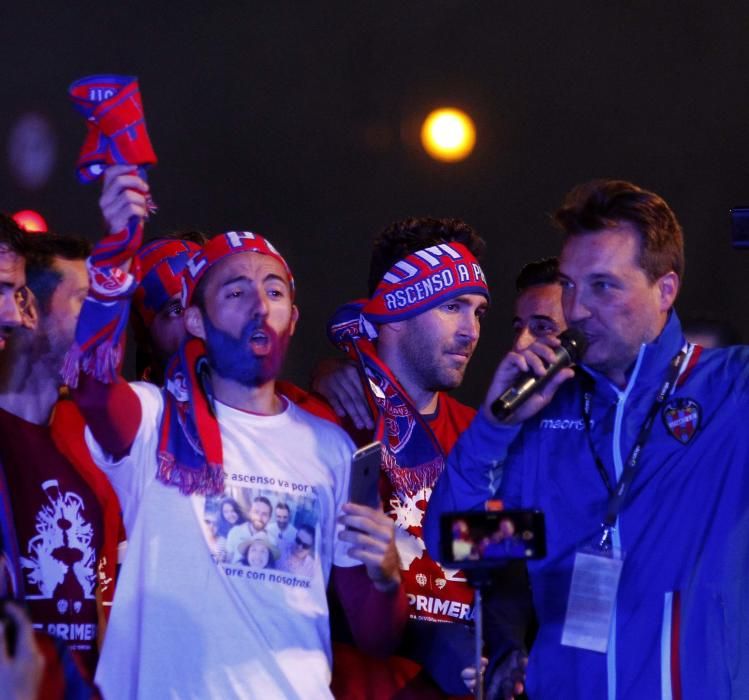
(480, 538)
(740, 227)
(365, 475)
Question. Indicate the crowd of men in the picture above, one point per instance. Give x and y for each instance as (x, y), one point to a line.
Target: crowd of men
(190, 534)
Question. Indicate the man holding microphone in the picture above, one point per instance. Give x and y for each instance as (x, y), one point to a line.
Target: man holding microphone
(635, 595)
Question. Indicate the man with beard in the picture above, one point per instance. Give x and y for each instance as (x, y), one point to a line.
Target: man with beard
(13, 292)
(427, 298)
(257, 520)
(281, 531)
(184, 625)
(65, 516)
(638, 459)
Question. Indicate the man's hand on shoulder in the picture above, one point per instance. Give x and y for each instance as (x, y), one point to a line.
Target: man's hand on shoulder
(371, 534)
(534, 359)
(338, 380)
(123, 196)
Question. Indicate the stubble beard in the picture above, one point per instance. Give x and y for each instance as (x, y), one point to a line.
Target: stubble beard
(232, 358)
(432, 370)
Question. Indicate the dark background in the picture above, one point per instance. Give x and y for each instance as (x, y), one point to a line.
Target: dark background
(300, 120)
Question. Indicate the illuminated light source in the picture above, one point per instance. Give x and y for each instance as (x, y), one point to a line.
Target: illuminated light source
(32, 150)
(448, 135)
(30, 221)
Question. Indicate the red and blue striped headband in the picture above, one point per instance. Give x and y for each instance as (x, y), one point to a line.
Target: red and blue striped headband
(423, 280)
(220, 247)
(161, 265)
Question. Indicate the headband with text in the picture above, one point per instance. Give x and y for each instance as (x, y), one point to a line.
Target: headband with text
(220, 247)
(424, 279)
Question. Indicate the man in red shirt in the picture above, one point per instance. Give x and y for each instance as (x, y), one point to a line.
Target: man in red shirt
(427, 299)
(65, 516)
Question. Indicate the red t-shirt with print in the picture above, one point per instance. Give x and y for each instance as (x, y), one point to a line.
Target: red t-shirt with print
(59, 527)
(434, 594)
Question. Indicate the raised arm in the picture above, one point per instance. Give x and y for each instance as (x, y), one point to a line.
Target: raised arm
(112, 413)
(111, 408)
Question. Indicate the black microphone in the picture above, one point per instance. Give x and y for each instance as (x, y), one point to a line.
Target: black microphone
(574, 344)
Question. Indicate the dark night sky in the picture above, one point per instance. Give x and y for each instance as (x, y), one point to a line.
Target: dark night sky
(299, 120)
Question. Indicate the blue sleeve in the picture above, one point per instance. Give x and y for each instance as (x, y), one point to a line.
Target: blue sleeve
(471, 476)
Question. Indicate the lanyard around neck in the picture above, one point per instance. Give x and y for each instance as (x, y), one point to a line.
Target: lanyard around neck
(618, 495)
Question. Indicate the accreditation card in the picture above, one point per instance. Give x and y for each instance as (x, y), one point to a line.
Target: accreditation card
(590, 606)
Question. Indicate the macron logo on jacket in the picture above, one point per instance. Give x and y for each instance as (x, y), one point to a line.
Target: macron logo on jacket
(564, 424)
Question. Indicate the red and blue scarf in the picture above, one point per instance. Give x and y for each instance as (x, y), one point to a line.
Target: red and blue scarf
(116, 134)
(161, 264)
(412, 456)
(423, 280)
(190, 455)
(116, 126)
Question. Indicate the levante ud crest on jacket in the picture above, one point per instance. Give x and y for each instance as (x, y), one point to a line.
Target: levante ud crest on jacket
(682, 418)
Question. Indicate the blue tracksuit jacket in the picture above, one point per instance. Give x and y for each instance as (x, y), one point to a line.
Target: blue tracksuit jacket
(681, 623)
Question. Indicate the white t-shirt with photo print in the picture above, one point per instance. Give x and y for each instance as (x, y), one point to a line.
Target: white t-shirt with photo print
(186, 626)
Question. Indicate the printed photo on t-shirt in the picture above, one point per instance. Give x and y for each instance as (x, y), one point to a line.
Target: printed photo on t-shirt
(261, 528)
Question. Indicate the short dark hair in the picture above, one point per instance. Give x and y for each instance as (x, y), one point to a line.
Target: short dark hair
(12, 236)
(537, 273)
(42, 249)
(406, 236)
(284, 505)
(601, 204)
(263, 499)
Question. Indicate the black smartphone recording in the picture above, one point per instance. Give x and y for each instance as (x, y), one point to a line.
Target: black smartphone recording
(483, 539)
